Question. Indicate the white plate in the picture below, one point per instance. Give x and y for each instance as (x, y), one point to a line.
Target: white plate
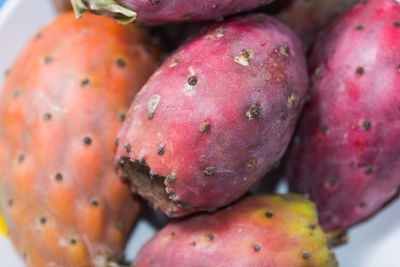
(375, 243)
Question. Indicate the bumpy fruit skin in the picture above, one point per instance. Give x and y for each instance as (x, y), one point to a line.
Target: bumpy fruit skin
(308, 17)
(347, 156)
(215, 117)
(61, 107)
(261, 230)
(63, 5)
(155, 12)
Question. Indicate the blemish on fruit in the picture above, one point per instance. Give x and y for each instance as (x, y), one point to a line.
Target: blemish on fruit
(290, 101)
(152, 105)
(256, 247)
(284, 50)
(170, 179)
(360, 71)
(121, 116)
(269, 214)
(42, 220)
(209, 171)
(366, 125)
(87, 140)
(251, 163)
(205, 127)
(253, 112)
(58, 176)
(160, 150)
(47, 59)
(94, 202)
(244, 57)
(47, 116)
(120, 63)
(220, 32)
(324, 128)
(127, 148)
(305, 255)
(20, 158)
(174, 62)
(368, 170)
(85, 82)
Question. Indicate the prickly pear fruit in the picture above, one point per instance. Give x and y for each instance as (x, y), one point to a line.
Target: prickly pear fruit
(308, 17)
(153, 12)
(260, 230)
(346, 156)
(61, 107)
(215, 117)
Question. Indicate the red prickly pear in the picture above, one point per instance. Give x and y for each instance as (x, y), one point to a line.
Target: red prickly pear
(260, 230)
(153, 12)
(215, 117)
(346, 156)
(61, 107)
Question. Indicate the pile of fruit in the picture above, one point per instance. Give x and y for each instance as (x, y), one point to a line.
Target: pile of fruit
(187, 105)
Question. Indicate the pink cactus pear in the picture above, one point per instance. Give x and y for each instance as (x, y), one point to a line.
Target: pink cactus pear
(153, 12)
(215, 117)
(346, 156)
(261, 230)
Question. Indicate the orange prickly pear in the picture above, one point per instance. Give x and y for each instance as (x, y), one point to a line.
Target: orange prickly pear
(60, 108)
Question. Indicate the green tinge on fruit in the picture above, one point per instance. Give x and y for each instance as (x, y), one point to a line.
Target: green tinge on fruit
(259, 230)
(120, 13)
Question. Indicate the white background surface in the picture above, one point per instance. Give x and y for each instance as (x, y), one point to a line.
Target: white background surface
(375, 243)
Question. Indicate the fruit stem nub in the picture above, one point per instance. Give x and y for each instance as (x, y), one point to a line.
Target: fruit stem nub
(107, 7)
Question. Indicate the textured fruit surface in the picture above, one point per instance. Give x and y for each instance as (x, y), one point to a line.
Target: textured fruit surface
(308, 17)
(63, 5)
(61, 107)
(347, 155)
(158, 12)
(263, 230)
(215, 117)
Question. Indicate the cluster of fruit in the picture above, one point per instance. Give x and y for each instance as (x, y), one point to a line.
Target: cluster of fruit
(189, 116)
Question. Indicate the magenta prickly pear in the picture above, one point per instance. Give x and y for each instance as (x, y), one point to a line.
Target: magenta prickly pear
(154, 12)
(215, 117)
(346, 156)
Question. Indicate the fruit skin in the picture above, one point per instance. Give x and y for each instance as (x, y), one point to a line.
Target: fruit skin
(155, 12)
(215, 117)
(61, 108)
(308, 17)
(346, 156)
(260, 230)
